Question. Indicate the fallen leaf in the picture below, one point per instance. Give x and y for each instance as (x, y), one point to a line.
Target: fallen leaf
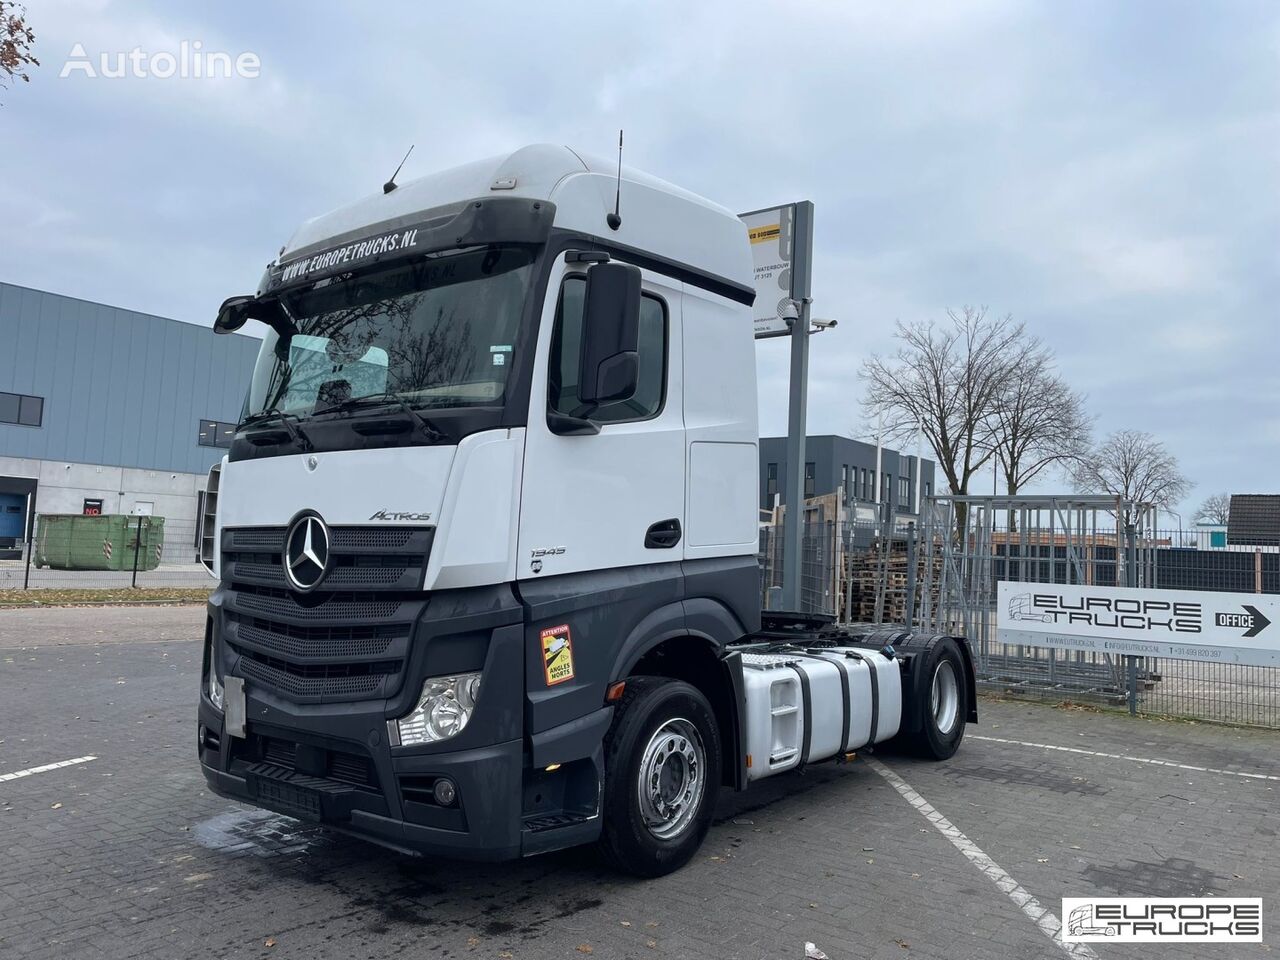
(585, 948)
(626, 923)
(269, 942)
(903, 944)
(473, 941)
(505, 955)
(651, 944)
(56, 806)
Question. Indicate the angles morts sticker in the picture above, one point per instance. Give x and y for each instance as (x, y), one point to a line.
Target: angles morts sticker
(557, 654)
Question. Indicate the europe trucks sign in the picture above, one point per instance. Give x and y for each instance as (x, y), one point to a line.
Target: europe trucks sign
(1241, 628)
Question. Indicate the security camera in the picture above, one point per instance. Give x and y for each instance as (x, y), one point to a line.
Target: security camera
(788, 310)
(824, 324)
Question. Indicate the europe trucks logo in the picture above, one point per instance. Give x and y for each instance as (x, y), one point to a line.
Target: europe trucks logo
(1168, 919)
(1122, 613)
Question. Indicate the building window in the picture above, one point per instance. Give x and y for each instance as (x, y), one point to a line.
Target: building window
(651, 379)
(771, 482)
(904, 491)
(215, 433)
(886, 491)
(22, 409)
(809, 473)
(928, 489)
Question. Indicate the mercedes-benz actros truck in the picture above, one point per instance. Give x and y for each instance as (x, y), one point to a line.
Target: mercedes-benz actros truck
(486, 536)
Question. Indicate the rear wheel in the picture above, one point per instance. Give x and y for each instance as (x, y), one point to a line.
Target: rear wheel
(944, 706)
(662, 775)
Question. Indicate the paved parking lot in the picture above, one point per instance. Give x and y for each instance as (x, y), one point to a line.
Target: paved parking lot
(128, 855)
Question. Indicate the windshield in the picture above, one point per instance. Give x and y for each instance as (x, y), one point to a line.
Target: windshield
(437, 332)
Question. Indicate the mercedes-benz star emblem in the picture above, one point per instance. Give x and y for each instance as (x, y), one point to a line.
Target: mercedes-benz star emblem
(306, 552)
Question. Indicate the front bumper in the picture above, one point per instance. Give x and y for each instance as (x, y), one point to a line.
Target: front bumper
(484, 823)
(309, 766)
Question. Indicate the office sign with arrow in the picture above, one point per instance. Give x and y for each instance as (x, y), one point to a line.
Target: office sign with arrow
(1213, 627)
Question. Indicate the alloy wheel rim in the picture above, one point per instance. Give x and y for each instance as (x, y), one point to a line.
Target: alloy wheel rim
(672, 778)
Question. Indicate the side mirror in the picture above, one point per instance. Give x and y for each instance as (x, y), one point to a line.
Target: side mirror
(609, 361)
(236, 311)
(232, 315)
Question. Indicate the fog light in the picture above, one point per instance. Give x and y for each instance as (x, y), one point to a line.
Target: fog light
(215, 689)
(200, 737)
(443, 710)
(445, 792)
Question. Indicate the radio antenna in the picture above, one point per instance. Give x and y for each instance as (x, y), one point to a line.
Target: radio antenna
(614, 220)
(391, 184)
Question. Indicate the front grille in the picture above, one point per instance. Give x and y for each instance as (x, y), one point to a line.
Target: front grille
(327, 643)
(278, 605)
(299, 684)
(347, 639)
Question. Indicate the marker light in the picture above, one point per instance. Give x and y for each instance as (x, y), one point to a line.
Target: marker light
(443, 709)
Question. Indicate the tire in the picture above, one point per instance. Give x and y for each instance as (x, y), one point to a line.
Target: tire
(665, 732)
(943, 705)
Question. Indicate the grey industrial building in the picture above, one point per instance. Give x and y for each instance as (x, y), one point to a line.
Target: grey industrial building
(834, 464)
(110, 410)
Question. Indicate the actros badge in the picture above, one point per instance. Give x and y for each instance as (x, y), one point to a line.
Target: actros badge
(394, 515)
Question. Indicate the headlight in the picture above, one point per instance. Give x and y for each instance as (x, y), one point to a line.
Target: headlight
(443, 709)
(215, 688)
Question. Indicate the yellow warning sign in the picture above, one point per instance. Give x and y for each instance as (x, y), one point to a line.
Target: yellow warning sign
(557, 654)
(765, 234)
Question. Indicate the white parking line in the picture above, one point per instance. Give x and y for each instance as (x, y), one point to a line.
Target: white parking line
(1045, 919)
(1124, 756)
(17, 775)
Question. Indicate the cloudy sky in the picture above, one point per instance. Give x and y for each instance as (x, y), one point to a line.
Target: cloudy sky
(1104, 171)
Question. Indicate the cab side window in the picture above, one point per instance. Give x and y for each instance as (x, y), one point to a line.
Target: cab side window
(566, 341)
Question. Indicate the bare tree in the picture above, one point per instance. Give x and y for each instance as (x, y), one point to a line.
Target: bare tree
(1038, 421)
(1132, 466)
(16, 39)
(944, 381)
(1215, 509)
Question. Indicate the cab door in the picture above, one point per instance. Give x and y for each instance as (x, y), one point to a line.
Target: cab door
(614, 499)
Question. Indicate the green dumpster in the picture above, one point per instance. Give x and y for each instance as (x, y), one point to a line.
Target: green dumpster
(70, 541)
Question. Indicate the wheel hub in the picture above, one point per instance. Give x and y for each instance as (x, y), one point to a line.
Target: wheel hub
(944, 697)
(672, 778)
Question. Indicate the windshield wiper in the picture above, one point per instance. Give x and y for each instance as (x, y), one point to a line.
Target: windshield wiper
(425, 426)
(292, 428)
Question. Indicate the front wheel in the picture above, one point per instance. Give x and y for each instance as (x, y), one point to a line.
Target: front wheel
(662, 775)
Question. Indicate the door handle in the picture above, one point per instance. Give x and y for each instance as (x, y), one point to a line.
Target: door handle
(662, 535)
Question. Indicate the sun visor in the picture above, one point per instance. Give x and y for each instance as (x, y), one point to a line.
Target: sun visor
(472, 223)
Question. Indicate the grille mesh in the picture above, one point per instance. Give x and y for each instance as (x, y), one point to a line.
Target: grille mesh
(331, 608)
(310, 686)
(257, 538)
(333, 643)
(389, 538)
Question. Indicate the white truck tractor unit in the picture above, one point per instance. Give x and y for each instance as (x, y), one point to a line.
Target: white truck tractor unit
(486, 537)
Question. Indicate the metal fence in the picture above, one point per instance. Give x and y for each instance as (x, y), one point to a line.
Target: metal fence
(85, 561)
(941, 575)
(968, 544)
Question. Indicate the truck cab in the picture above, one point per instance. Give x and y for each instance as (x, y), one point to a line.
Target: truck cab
(486, 536)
